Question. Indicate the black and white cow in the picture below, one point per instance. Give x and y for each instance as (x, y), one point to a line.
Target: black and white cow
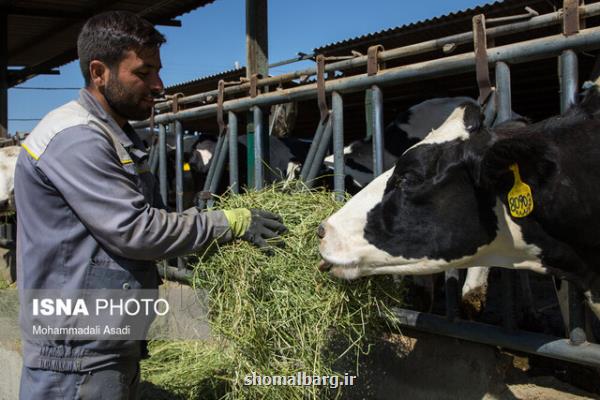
(408, 128)
(446, 202)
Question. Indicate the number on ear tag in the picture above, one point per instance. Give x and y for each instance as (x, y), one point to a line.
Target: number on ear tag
(520, 199)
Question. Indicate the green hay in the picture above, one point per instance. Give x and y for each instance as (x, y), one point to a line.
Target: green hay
(276, 315)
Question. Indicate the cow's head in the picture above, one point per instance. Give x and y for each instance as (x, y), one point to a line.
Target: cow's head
(432, 211)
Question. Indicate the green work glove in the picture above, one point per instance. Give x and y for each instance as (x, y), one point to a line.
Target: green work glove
(255, 226)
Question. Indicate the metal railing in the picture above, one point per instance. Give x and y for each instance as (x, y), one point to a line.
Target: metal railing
(576, 348)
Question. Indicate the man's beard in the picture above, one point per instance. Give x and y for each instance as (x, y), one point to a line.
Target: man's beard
(127, 105)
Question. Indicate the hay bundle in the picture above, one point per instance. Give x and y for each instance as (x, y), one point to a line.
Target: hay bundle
(275, 315)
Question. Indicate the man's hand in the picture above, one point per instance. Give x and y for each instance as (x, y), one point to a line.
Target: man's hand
(255, 226)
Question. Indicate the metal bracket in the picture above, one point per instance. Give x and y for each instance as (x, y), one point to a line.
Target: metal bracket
(530, 14)
(322, 99)
(481, 59)
(175, 98)
(373, 59)
(570, 17)
(220, 120)
(253, 85)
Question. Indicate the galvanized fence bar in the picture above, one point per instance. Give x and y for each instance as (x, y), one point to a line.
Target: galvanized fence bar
(378, 140)
(569, 77)
(503, 113)
(219, 162)
(181, 261)
(259, 146)
(320, 152)
(211, 172)
(162, 162)
(337, 114)
(234, 175)
(514, 53)
(312, 149)
(554, 18)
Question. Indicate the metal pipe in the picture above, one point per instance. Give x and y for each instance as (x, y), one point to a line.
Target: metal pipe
(258, 148)
(337, 115)
(234, 177)
(541, 21)
(178, 167)
(211, 170)
(451, 286)
(317, 162)
(219, 168)
(378, 139)
(534, 343)
(503, 93)
(568, 79)
(162, 162)
(181, 261)
(310, 156)
(514, 53)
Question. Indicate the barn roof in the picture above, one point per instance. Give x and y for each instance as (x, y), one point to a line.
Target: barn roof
(42, 33)
(535, 86)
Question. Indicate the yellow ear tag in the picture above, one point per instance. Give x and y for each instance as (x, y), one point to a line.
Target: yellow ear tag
(186, 167)
(520, 199)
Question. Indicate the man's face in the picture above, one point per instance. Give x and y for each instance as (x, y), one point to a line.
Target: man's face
(133, 84)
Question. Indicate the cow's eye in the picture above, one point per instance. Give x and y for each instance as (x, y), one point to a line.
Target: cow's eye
(407, 179)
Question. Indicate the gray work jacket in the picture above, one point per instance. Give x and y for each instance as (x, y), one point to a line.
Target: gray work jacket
(89, 216)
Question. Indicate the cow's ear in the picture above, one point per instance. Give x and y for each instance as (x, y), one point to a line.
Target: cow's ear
(472, 117)
(535, 158)
(591, 100)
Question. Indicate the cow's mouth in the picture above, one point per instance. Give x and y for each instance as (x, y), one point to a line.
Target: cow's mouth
(325, 266)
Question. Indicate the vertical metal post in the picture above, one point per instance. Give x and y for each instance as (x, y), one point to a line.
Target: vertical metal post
(317, 161)
(312, 150)
(569, 74)
(503, 113)
(234, 176)
(369, 113)
(378, 143)
(211, 169)
(337, 106)
(568, 79)
(503, 93)
(162, 162)
(179, 178)
(451, 287)
(3, 75)
(178, 167)
(258, 148)
(219, 167)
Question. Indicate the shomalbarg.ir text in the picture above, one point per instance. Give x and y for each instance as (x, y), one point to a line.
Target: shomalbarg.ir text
(299, 379)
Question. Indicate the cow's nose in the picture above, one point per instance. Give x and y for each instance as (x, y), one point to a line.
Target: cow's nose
(321, 231)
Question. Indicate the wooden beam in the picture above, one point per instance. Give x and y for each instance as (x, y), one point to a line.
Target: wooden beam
(257, 43)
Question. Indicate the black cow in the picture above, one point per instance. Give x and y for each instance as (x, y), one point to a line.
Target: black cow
(458, 199)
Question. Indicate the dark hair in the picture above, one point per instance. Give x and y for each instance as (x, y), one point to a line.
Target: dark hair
(105, 37)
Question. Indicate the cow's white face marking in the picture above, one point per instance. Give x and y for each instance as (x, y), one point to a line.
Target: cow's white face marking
(452, 129)
(431, 114)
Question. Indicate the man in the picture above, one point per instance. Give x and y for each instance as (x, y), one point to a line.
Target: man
(89, 213)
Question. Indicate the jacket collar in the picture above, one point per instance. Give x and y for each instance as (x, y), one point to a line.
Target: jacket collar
(89, 102)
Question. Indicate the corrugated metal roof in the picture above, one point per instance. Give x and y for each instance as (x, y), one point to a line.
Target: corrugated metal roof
(42, 34)
(206, 83)
(444, 25)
